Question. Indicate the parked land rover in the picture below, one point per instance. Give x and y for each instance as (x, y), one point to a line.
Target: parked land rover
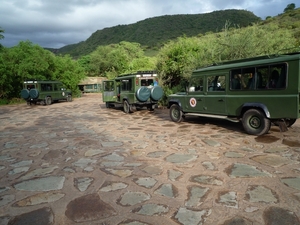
(259, 92)
(135, 90)
(45, 92)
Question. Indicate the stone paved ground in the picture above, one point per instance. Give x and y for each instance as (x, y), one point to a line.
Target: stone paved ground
(80, 163)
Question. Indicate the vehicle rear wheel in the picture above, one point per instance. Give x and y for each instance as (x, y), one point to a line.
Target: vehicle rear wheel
(126, 107)
(48, 101)
(289, 122)
(255, 122)
(176, 113)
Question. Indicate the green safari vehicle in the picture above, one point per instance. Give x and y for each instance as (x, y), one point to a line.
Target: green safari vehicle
(259, 92)
(45, 92)
(135, 90)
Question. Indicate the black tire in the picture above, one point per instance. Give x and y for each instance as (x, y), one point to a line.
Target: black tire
(176, 113)
(126, 107)
(289, 122)
(48, 101)
(255, 122)
(69, 98)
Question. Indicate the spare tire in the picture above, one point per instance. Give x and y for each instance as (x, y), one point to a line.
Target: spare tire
(25, 94)
(143, 94)
(34, 93)
(156, 93)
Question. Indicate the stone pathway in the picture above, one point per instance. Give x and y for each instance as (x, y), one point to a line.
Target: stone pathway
(80, 163)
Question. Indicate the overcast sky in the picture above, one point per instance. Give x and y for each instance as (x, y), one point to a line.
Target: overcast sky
(56, 23)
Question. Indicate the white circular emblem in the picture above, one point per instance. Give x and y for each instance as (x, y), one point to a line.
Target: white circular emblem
(193, 102)
(63, 94)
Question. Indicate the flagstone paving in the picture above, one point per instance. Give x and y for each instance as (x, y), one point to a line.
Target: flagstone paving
(81, 163)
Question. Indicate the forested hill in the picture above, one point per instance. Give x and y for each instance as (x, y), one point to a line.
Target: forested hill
(155, 31)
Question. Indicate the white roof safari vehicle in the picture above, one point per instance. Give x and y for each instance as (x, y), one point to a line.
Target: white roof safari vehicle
(137, 90)
(45, 92)
(258, 91)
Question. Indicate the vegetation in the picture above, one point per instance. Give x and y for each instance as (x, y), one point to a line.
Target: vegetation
(174, 60)
(154, 32)
(31, 62)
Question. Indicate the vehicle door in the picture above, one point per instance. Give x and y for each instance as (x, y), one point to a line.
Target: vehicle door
(194, 100)
(109, 91)
(215, 101)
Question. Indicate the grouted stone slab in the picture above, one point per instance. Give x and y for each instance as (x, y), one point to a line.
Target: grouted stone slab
(88, 208)
(113, 186)
(261, 194)
(234, 155)
(109, 144)
(114, 157)
(181, 158)
(271, 160)
(132, 198)
(111, 164)
(196, 194)
(10, 145)
(93, 152)
(147, 182)
(84, 162)
(40, 145)
(6, 199)
(211, 142)
(54, 154)
(228, 199)
(297, 196)
(276, 150)
(238, 221)
(185, 143)
(22, 163)
(209, 165)
(245, 170)
(151, 209)
(82, 183)
(190, 217)
(40, 198)
(7, 158)
(205, 179)
(156, 154)
(280, 216)
(2, 168)
(39, 172)
(40, 216)
(41, 184)
(293, 182)
(168, 190)
(118, 172)
(153, 170)
(18, 170)
(213, 154)
(174, 175)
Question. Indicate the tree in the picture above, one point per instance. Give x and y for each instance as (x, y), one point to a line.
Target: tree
(289, 7)
(1, 36)
(125, 57)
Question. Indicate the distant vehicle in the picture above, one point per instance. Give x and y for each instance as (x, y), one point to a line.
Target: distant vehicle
(137, 90)
(257, 91)
(45, 92)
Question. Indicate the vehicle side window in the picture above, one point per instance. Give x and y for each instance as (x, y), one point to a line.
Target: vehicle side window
(241, 79)
(196, 84)
(108, 86)
(216, 83)
(126, 85)
(272, 77)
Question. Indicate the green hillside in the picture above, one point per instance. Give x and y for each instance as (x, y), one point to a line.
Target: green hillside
(151, 33)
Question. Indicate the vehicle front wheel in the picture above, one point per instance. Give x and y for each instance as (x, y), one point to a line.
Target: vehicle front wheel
(176, 113)
(126, 107)
(255, 122)
(69, 98)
